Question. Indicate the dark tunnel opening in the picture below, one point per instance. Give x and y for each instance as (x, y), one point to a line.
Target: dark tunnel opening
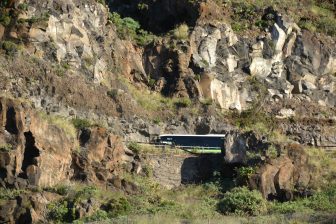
(84, 137)
(11, 121)
(30, 153)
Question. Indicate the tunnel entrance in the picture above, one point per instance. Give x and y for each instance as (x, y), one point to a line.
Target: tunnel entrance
(158, 17)
(84, 137)
(11, 121)
(30, 153)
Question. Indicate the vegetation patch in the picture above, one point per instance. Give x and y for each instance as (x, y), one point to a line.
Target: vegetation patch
(6, 147)
(9, 47)
(81, 124)
(5, 18)
(60, 122)
(242, 201)
(316, 16)
(8, 194)
(244, 173)
(323, 201)
(153, 101)
(181, 32)
(128, 28)
(322, 163)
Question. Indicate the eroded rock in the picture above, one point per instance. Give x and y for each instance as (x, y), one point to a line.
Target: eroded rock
(282, 177)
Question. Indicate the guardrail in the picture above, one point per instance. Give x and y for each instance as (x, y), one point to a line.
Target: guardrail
(189, 149)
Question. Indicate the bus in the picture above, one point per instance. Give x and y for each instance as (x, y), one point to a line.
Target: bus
(210, 143)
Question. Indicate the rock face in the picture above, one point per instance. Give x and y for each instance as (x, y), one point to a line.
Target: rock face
(285, 176)
(32, 148)
(286, 60)
(237, 145)
(71, 62)
(77, 37)
(99, 157)
(26, 208)
(37, 152)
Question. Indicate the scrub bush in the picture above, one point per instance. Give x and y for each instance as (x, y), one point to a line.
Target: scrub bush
(181, 32)
(242, 201)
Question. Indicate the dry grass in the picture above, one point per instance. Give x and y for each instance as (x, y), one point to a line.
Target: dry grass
(153, 101)
(324, 164)
(181, 32)
(60, 122)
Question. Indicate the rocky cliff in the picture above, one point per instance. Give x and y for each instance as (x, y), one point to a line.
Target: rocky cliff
(81, 78)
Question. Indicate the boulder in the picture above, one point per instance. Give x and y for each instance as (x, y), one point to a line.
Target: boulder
(98, 160)
(284, 176)
(226, 94)
(237, 145)
(260, 67)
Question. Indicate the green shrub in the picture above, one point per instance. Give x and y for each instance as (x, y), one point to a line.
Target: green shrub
(7, 194)
(23, 6)
(308, 25)
(42, 18)
(148, 171)
(157, 120)
(135, 147)
(238, 26)
(117, 207)
(207, 101)
(128, 28)
(6, 147)
(183, 102)
(328, 25)
(244, 15)
(245, 171)
(60, 189)
(151, 82)
(160, 205)
(99, 215)
(242, 201)
(81, 123)
(10, 47)
(5, 18)
(288, 207)
(322, 201)
(58, 211)
(85, 193)
(272, 152)
(113, 93)
(181, 32)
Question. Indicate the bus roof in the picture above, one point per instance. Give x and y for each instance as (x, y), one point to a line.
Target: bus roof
(186, 135)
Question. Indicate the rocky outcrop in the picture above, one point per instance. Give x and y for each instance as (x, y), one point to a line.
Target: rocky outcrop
(76, 36)
(37, 151)
(26, 208)
(238, 145)
(99, 157)
(32, 148)
(285, 176)
(319, 132)
(283, 59)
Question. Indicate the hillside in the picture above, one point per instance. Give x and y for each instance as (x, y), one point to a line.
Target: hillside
(84, 82)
